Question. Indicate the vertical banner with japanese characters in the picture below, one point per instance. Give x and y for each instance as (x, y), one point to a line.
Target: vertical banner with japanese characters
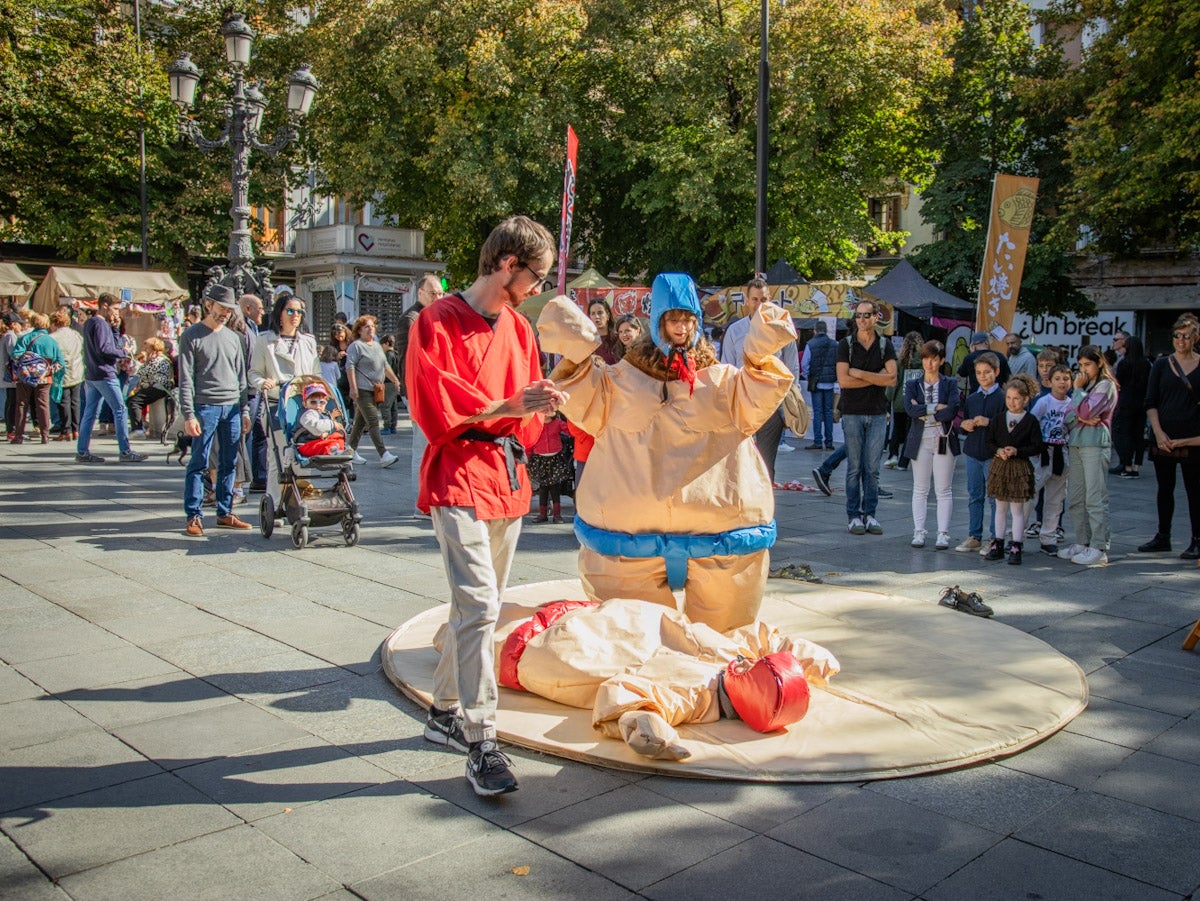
(1013, 199)
(568, 208)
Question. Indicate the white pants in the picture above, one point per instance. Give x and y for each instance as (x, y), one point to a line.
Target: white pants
(478, 555)
(929, 463)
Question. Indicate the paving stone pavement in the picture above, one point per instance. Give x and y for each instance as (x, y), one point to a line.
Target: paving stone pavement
(207, 719)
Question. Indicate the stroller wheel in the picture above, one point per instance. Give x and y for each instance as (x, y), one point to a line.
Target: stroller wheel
(266, 515)
(299, 536)
(350, 532)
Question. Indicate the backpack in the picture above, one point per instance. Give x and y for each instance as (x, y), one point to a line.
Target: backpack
(31, 369)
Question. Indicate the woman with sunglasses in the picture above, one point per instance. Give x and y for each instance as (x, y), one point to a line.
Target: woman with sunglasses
(1173, 408)
(282, 352)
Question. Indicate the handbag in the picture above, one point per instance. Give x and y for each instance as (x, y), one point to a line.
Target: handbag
(379, 393)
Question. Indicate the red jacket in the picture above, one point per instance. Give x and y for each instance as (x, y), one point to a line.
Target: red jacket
(457, 365)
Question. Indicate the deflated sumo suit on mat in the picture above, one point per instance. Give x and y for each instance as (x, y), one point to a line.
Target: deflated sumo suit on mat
(644, 669)
(674, 494)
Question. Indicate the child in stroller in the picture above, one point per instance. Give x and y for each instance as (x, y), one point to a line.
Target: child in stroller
(307, 438)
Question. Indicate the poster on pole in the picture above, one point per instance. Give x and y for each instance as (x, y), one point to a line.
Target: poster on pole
(568, 208)
(1013, 200)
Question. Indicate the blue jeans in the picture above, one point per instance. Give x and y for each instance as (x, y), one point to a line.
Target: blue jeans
(822, 416)
(832, 462)
(109, 391)
(864, 436)
(223, 422)
(977, 473)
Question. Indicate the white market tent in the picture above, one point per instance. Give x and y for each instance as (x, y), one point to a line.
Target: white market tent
(141, 288)
(14, 282)
(143, 294)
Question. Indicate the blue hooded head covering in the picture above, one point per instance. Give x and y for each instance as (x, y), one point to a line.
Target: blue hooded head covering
(673, 291)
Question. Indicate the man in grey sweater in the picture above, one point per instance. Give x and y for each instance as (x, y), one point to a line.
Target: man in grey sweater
(213, 391)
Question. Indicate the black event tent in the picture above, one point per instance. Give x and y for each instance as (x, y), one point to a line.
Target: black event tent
(784, 273)
(907, 290)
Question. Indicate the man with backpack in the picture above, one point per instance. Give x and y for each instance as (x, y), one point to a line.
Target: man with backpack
(102, 351)
(36, 363)
(820, 364)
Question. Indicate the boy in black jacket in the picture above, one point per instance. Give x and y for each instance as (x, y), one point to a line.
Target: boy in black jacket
(978, 409)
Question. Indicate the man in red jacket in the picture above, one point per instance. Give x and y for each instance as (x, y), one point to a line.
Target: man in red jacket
(476, 391)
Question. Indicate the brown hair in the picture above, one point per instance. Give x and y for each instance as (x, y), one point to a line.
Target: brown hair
(1048, 356)
(361, 322)
(1186, 322)
(60, 318)
(154, 346)
(516, 236)
(933, 350)
(1096, 355)
(39, 320)
(990, 358)
(1025, 385)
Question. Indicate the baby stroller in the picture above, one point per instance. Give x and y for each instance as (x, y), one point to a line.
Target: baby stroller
(302, 502)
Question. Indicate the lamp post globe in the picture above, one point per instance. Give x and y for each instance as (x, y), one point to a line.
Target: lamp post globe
(243, 121)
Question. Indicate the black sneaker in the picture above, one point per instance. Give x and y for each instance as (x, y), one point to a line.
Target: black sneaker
(88, 458)
(1050, 550)
(973, 604)
(444, 727)
(950, 597)
(822, 481)
(487, 770)
(133, 457)
(885, 494)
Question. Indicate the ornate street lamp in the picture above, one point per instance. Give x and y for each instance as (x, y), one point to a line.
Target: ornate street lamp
(243, 118)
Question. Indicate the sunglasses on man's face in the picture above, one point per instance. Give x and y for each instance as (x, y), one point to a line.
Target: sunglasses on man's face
(864, 315)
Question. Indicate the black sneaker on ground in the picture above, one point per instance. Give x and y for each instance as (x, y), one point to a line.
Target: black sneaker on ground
(885, 494)
(444, 727)
(132, 457)
(487, 770)
(88, 458)
(822, 481)
(950, 597)
(1050, 550)
(973, 604)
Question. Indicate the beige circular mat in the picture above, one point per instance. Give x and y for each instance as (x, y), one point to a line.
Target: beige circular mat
(922, 688)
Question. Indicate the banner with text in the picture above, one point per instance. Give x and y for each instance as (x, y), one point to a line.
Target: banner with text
(1013, 200)
(568, 208)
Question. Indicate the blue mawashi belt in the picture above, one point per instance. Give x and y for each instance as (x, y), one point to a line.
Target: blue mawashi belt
(676, 550)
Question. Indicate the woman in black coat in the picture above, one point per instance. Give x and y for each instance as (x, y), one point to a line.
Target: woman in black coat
(1129, 418)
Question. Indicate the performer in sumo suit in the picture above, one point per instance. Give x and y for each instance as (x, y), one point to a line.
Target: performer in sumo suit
(644, 669)
(675, 494)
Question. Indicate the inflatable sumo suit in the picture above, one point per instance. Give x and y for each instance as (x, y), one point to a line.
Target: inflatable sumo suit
(643, 669)
(675, 494)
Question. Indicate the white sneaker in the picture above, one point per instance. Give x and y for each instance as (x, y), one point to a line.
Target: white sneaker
(1071, 551)
(1090, 556)
(873, 526)
(918, 538)
(969, 544)
(785, 448)
(943, 541)
(892, 462)
(1033, 530)
(387, 458)
(856, 527)
(359, 458)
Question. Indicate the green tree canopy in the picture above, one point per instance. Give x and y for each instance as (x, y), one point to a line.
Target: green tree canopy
(998, 111)
(1134, 148)
(453, 115)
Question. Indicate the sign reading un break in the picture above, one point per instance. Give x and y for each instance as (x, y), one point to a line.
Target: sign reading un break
(1071, 330)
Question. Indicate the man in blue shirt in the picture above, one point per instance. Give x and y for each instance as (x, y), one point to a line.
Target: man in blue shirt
(101, 352)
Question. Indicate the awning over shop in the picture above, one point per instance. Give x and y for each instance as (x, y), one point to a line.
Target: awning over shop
(14, 282)
(147, 291)
(907, 290)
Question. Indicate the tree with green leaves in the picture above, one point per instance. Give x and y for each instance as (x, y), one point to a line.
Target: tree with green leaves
(1134, 147)
(453, 115)
(1000, 110)
(75, 89)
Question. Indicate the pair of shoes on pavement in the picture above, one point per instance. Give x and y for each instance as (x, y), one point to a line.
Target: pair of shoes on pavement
(957, 599)
(1083, 555)
(864, 525)
(943, 540)
(195, 525)
(487, 766)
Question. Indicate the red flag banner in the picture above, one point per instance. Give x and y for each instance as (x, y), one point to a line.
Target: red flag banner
(1013, 200)
(568, 208)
